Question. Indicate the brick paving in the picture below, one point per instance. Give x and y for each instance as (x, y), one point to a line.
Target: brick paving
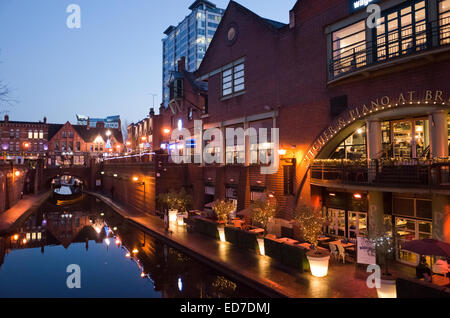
(343, 281)
(24, 207)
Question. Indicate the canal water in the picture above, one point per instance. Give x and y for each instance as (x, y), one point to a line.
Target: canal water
(114, 258)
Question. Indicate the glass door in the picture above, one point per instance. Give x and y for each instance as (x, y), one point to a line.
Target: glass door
(409, 230)
(402, 139)
(421, 138)
(336, 219)
(410, 138)
(357, 224)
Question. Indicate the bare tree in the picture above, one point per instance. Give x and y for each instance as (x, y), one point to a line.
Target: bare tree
(5, 96)
(4, 92)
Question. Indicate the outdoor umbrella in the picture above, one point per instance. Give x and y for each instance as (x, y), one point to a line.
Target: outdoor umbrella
(428, 247)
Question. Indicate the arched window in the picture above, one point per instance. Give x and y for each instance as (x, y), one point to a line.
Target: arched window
(353, 147)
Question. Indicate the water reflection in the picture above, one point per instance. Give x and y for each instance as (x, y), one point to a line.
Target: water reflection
(116, 259)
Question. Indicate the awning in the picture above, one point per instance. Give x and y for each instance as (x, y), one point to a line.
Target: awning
(209, 205)
(245, 212)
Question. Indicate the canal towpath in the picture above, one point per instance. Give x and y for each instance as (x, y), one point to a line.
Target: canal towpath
(255, 270)
(22, 209)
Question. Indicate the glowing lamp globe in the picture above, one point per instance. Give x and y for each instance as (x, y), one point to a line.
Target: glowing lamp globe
(221, 230)
(318, 263)
(180, 219)
(262, 249)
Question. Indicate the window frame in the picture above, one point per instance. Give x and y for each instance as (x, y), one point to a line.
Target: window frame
(401, 39)
(233, 79)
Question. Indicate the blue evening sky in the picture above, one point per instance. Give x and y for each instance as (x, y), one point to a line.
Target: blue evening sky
(112, 65)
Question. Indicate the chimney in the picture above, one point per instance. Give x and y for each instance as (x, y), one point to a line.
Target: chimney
(45, 120)
(152, 112)
(6, 118)
(182, 64)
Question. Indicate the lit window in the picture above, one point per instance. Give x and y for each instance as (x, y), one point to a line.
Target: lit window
(36, 134)
(444, 21)
(41, 134)
(233, 80)
(30, 134)
(349, 48)
(402, 32)
(353, 147)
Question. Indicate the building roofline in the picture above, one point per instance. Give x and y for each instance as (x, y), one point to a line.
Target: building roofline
(198, 2)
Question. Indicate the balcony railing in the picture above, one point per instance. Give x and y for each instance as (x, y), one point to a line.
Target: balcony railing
(385, 173)
(404, 42)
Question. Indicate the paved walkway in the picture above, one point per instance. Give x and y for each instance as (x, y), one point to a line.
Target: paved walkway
(24, 207)
(257, 271)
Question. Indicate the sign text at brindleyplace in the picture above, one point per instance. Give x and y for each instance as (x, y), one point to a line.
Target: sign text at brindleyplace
(384, 103)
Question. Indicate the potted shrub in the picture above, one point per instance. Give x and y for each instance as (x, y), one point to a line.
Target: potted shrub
(382, 240)
(175, 202)
(311, 223)
(222, 208)
(262, 211)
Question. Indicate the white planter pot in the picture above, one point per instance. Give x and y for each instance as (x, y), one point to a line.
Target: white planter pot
(173, 215)
(388, 288)
(221, 230)
(262, 249)
(180, 219)
(318, 263)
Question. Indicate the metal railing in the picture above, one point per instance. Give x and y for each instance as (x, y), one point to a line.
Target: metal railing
(404, 42)
(389, 173)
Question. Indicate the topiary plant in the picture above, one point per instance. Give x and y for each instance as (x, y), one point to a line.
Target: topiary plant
(310, 221)
(262, 211)
(222, 208)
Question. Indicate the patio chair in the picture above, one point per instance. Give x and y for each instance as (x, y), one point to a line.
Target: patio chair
(334, 251)
(341, 252)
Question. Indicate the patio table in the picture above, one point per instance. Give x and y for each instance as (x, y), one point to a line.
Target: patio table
(323, 238)
(344, 245)
(257, 231)
(308, 246)
(289, 241)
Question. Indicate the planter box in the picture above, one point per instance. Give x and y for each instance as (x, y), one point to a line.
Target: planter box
(206, 227)
(242, 239)
(288, 255)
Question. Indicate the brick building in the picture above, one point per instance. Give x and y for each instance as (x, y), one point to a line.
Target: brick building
(22, 140)
(362, 114)
(75, 144)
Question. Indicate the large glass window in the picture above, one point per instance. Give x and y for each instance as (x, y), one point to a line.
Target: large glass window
(336, 221)
(357, 224)
(233, 80)
(349, 48)
(410, 138)
(444, 21)
(353, 147)
(408, 230)
(402, 31)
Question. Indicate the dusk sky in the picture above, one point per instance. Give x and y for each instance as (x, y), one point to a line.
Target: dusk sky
(112, 65)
